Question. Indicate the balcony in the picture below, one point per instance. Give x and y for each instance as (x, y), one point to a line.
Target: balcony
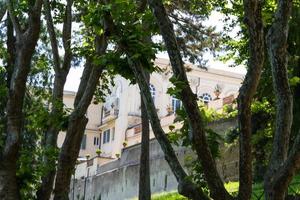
(109, 115)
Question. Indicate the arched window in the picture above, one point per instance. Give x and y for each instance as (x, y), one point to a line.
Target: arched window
(176, 104)
(152, 91)
(205, 97)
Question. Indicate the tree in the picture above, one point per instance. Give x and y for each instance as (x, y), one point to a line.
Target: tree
(189, 100)
(77, 120)
(61, 70)
(281, 169)
(114, 43)
(24, 46)
(254, 22)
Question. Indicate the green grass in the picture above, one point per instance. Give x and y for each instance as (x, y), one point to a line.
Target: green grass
(232, 188)
(168, 196)
(173, 195)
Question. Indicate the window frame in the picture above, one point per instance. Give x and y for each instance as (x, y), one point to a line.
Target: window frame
(205, 97)
(106, 136)
(152, 91)
(175, 103)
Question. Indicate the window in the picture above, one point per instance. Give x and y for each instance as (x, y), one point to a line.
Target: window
(96, 141)
(152, 91)
(106, 136)
(176, 104)
(205, 97)
(83, 142)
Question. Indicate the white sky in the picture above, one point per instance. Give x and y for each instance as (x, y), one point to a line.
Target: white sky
(215, 19)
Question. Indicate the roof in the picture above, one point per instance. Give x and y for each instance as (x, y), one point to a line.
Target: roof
(165, 63)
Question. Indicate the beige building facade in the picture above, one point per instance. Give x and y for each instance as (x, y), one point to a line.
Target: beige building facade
(91, 138)
(116, 123)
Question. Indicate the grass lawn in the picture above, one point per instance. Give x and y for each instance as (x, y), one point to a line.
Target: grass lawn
(168, 196)
(232, 188)
(294, 188)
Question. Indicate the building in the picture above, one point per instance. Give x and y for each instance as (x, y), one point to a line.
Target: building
(91, 138)
(116, 123)
(120, 123)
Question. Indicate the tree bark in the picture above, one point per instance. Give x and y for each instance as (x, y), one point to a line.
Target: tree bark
(144, 181)
(189, 100)
(26, 41)
(61, 71)
(254, 23)
(280, 168)
(68, 156)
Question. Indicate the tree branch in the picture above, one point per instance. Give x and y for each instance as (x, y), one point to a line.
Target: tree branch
(67, 29)
(13, 17)
(52, 35)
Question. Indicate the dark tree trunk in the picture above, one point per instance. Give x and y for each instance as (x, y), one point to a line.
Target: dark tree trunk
(8, 181)
(253, 20)
(68, 156)
(144, 181)
(189, 99)
(281, 169)
(26, 41)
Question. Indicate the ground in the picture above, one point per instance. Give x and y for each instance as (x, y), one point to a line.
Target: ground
(232, 187)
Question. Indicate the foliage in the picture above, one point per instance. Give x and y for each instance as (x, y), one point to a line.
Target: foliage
(236, 48)
(182, 137)
(193, 37)
(30, 165)
(262, 133)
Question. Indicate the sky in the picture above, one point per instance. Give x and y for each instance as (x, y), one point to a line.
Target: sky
(215, 19)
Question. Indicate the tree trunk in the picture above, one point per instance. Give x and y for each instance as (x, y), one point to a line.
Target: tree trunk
(144, 181)
(8, 181)
(280, 168)
(189, 100)
(253, 20)
(68, 156)
(25, 46)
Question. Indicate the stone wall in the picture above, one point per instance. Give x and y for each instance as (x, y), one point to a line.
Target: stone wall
(119, 179)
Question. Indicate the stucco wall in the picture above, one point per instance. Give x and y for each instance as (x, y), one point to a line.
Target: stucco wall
(118, 179)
